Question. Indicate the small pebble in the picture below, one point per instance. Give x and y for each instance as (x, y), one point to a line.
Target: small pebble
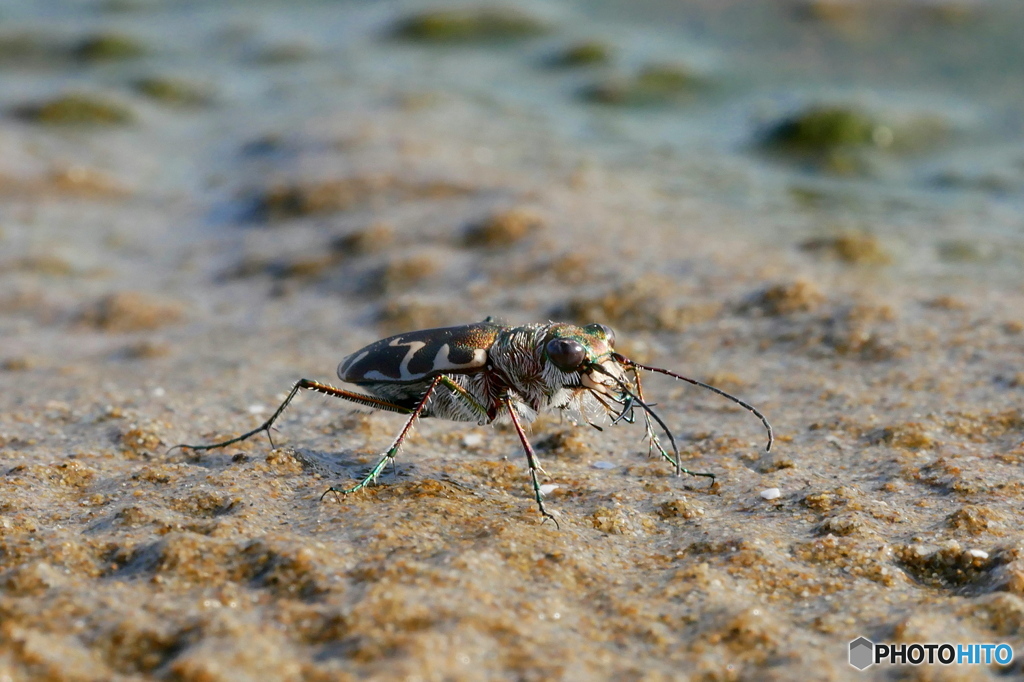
(257, 409)
(604, 465)
(771, 493)
(473, 440)
(978, 553)
(548, 488)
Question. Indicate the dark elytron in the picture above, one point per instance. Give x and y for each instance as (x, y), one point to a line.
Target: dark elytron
(413, 356)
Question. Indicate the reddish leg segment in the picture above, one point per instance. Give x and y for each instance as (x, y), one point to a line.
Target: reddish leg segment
(308, 384)
(531, 459)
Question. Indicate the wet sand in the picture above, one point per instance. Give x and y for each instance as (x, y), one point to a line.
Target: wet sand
(168, 281)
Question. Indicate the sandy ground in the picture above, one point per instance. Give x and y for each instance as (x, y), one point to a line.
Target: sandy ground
(134, 318)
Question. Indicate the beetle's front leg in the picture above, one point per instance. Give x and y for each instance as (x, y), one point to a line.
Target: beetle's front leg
(653, 441)
(652, 438)
(389, 456)
(531, 459)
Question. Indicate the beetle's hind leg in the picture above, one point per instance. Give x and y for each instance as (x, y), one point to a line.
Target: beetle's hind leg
(265, 426)
(310, 385)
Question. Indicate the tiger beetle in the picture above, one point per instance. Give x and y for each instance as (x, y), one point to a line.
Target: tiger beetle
(488, 372)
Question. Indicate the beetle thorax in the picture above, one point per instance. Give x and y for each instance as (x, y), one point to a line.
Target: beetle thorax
(520, 369)
(517, 360)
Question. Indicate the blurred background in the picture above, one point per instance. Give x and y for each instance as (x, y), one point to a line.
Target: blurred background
(817, 205)
(896, 125)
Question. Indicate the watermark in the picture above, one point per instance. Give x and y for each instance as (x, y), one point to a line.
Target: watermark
(864, 653)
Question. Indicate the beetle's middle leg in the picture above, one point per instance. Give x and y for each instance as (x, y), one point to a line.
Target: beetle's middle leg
(462, 394)
(389, 456)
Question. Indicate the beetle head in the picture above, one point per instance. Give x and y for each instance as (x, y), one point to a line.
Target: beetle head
(588, 353)
(579, 350)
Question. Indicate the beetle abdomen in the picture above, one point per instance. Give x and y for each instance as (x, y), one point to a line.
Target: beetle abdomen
(419, 355)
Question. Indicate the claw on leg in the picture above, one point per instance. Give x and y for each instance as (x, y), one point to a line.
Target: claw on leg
(369, 479)
(531, 460)
(389, 456)
(310, 385)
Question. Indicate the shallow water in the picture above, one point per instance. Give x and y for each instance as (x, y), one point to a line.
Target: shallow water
(958, 201)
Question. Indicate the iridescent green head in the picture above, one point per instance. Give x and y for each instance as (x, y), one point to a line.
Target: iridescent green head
(573, 349)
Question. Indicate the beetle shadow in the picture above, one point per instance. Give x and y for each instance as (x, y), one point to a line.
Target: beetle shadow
(342, 464)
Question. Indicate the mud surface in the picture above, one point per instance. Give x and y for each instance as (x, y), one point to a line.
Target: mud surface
(310, 184)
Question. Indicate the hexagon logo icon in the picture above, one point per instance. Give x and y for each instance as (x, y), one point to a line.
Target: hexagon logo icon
(862, 653)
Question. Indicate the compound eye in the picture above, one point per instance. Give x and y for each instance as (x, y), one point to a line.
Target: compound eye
(566, 354)
(603, 330)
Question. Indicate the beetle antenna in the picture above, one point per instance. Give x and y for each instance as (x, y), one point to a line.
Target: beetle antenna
(764, 420)
(664, 427)
(633, 399)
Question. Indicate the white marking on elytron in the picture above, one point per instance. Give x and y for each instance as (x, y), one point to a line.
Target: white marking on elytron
(443, 359)
(403, 369)
(348, 361)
